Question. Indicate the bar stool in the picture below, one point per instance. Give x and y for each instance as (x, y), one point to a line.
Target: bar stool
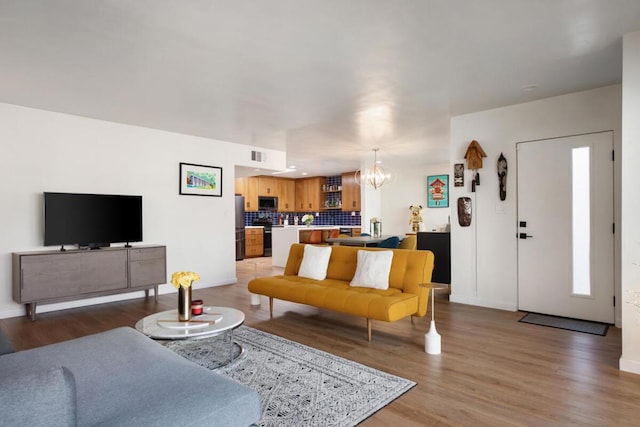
(315, 237)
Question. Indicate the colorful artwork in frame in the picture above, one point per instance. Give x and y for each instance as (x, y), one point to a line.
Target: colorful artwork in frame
(438, 191)
(200, 180)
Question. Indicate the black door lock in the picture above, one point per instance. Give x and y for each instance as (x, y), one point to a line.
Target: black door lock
(525, 236)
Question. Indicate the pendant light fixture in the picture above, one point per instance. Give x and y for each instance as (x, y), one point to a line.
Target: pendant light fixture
(375, 176)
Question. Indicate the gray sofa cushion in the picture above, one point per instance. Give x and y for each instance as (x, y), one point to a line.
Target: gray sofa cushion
(5, 344)
(40, 398)
(124, 378)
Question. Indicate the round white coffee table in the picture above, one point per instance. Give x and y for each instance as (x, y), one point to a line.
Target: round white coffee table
(213, 322)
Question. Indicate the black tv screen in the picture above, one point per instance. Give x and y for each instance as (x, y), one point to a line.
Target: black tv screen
(91, 219)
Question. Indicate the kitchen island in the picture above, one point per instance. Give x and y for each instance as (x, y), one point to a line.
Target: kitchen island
(284, 236)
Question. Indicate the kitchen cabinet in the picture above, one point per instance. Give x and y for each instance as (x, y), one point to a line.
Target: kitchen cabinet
(251, 194)
(238, 188)
(308, 194)
(253, 186)
(254, 242)
(286, 193)
(350, 192)
(266, 186)
(300, 189)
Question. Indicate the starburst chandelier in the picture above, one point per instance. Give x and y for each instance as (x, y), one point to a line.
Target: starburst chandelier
(375, 176)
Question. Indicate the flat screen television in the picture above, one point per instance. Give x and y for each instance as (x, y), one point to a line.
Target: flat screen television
(91, 220)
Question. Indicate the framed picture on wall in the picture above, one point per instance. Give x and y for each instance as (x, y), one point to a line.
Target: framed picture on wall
(200, 180)
(438, 191)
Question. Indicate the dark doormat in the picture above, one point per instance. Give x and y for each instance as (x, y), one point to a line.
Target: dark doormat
(576, 325)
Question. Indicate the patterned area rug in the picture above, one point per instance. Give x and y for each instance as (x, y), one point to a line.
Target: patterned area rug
(299, 385)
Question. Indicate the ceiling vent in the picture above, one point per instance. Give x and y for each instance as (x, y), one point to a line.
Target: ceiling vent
(258, 156)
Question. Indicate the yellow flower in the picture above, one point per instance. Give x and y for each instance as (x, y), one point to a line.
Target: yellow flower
(184, 278)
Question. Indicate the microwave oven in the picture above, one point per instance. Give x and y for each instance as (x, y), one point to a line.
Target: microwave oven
(267, 203)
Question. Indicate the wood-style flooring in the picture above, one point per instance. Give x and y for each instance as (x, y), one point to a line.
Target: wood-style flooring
(493, 370)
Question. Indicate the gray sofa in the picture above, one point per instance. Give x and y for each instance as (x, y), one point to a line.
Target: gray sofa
(117, 378)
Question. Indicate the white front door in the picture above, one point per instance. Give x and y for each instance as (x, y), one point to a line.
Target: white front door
(565, 227)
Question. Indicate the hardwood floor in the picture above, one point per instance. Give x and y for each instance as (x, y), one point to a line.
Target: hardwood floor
(493, 370)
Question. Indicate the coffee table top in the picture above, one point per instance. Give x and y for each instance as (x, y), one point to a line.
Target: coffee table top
(214, 321)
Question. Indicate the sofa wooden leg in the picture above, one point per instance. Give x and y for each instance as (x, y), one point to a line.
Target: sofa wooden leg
(412, 320)
(270, 308)
(368, 329)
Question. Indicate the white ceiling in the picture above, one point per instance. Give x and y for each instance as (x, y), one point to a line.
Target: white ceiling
(325, 80)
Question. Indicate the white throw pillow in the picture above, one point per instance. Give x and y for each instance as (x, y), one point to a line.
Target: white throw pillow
(315, 262)
(373, 269)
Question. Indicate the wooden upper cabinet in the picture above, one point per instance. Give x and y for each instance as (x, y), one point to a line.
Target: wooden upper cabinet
(301, 193)
(239, 187)
(266, 186)
(251, 194)
(314, 192)
(286, 192)
(295, 195)
(308, 194)
(350, 192)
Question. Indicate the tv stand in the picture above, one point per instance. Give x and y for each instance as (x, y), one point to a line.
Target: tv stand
(56, 276)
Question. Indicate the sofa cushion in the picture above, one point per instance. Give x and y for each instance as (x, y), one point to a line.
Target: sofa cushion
(125, 378)
(5, 344)
(373, 269)
(39, 397)
(314, 262)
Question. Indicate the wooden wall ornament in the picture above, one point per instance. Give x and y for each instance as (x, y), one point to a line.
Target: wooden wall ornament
(464, 211)
(474, 155)
(502, 176)
(458, 175)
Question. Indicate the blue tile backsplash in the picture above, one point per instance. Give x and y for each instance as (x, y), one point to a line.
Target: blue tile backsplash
(333, 217)
(332, 194)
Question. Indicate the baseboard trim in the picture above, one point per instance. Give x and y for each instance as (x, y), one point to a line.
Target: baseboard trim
(500, 305)
(632, 366)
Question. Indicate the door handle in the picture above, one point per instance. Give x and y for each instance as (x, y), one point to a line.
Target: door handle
(525, 236)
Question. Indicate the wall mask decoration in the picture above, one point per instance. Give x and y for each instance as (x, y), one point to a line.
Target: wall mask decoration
(464, 211)
(458, 175)
(502, 176)
(474, 155)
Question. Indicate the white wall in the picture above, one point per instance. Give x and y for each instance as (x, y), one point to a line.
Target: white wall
(630, 230)
(484, 255)
(46, 151)
(409, 187)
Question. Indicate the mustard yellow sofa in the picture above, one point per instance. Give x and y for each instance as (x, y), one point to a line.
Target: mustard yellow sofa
(404, 297)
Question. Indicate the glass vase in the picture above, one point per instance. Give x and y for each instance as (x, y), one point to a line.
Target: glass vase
(375, 229)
